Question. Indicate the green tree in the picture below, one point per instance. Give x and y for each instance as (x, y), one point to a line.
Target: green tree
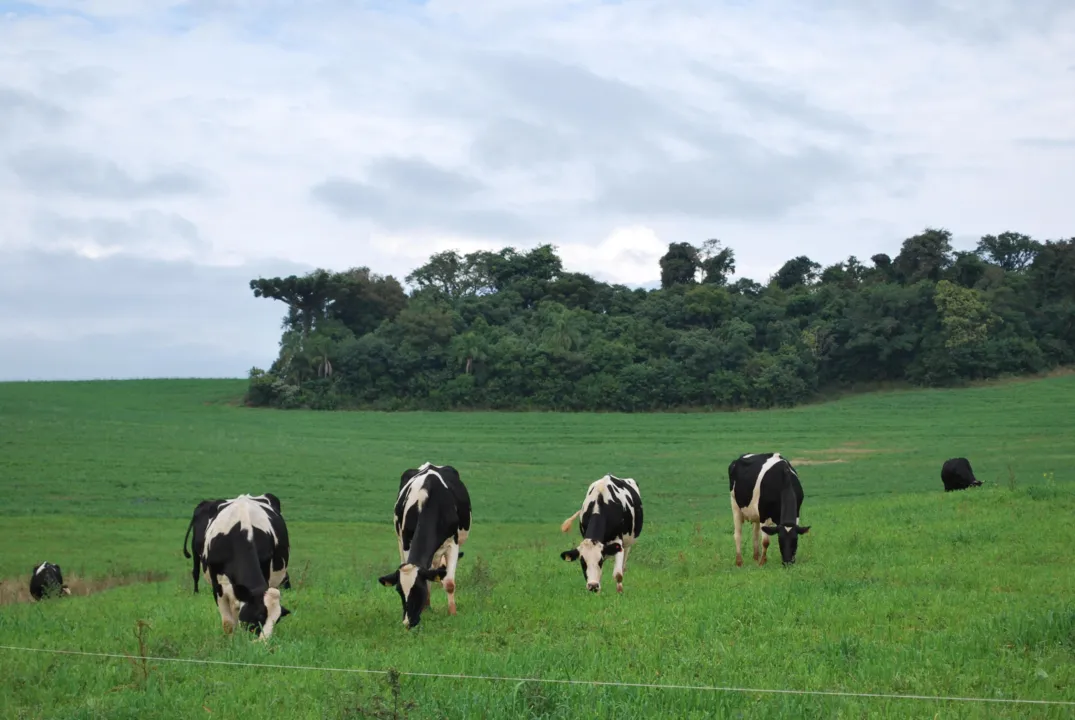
(1010, 250)
(965, 316)
(680, 265)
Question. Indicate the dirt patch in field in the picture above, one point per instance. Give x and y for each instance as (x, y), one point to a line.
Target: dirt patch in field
(16, 590)
(835, 455)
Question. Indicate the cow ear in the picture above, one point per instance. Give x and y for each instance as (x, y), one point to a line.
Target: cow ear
(802, 530)
(570, 555)
(770, 529)
(428, 575)
(284, 611)
(460, 553)
(389, 580)
(611, 549)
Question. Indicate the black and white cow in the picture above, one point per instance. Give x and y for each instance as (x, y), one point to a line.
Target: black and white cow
(956, 474)
(765, 489)
(203, 513)
(245, 557)
(47, 581)
(610, 524)
(432, 520)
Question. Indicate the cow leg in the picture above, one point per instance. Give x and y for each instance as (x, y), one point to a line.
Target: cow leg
(617, 572)
(402, 553)
(756, 541)
(764, 549)
(449, 576)
(737, 519)
(225, 603)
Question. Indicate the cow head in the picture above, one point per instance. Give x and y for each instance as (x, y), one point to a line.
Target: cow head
(412, 584)
(788, 536)
(591, 556)
(261, 615)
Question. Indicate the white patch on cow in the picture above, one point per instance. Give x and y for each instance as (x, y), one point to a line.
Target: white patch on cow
(415, 493)
(591, 553)
(277, 576)
(272, 606)
(750, 512)
(244, 511)
(227, 603)
(40, 568)
(408, 576)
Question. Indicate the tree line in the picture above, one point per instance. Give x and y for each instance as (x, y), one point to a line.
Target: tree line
(514, 330)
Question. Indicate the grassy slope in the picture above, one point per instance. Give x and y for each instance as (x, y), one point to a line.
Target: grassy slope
(899, 588)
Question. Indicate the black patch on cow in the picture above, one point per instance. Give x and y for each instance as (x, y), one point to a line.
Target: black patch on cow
(956, 474)
(780, 500)
(445, 513)
(248, 563)
(203, 515)
(46, 581)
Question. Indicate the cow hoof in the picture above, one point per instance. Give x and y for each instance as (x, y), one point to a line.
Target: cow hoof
(739, 561)
(449, 586)
(619, 587)
(451, 609)
(762, 562)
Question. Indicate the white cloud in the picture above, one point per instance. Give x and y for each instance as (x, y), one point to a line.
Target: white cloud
(370, 133)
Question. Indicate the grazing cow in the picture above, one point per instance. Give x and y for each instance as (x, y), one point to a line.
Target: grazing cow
(245, 558)
(956, 474)
(610, 524)
(432, 520)
(765, 489)
(203, 513)
(47, 581)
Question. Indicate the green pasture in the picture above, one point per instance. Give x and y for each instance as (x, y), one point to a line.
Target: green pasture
(900, 588)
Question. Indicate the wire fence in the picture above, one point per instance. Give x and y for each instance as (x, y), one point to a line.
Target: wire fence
(551, 681)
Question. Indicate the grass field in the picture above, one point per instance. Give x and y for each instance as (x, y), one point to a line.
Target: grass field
(899, 588)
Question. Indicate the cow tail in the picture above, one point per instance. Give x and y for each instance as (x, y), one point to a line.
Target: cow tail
(186, 537)
(567, 523)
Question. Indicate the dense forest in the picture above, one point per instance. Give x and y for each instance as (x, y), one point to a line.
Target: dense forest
(514, 330)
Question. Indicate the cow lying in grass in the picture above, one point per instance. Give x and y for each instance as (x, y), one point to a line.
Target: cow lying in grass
(47, 581)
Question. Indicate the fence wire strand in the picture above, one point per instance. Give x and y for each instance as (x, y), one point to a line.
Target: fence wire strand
(557, 681)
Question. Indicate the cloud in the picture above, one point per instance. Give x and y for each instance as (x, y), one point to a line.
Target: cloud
(338, 134)
(57, 171)
(18, 106)
(149, 233)
(73, 317)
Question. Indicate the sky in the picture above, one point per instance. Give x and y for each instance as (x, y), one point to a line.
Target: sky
(156, 156)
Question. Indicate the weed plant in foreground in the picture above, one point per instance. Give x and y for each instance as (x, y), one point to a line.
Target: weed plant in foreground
(899, 587)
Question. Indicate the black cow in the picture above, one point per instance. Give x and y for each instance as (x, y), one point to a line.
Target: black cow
(47, 581)
(610, 524)
(432, 520)
(956, 474)
(203, 513)
(765, 489)
(245, 557)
